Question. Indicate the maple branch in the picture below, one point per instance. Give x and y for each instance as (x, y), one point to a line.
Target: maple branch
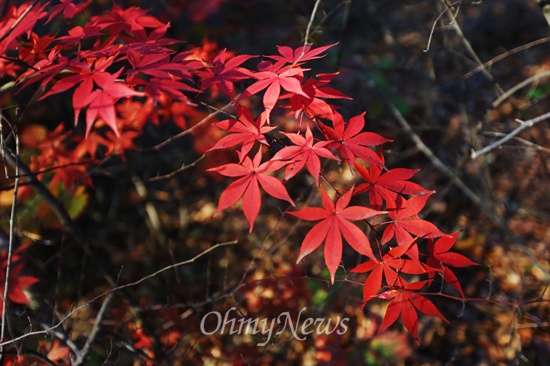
(310, 23)
(523, 125)
(179, 170)
(308, 28)
(194, 127)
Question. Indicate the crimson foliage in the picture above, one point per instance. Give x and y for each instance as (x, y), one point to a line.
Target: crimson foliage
(121, 71)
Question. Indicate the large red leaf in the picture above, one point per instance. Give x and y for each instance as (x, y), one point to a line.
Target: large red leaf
(336, 223)
(253, 175)
(350, 142)
(305, 153)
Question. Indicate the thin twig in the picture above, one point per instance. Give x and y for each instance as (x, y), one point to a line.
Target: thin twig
(523, 84)
(438, 163)
(12, 236)
(522, 126)
(433, 29)
(469, 48)
(112, 290)
(93, 333)
(308, 28)
(503, 55)
(194, 127)
(530, 145)
(183, 167)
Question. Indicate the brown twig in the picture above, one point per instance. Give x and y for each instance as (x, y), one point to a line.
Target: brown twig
(523, 125)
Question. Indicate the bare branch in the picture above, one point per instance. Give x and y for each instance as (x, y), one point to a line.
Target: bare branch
(183, 167)
(503, 55)
(523, 84)
(191, 129)
(524, 125)
(93, 333)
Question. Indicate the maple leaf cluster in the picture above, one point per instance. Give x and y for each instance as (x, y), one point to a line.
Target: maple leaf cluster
(121, 72)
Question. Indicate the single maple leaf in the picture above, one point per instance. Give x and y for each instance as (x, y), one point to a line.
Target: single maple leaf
(222, 74)
(406, 303)
(100, 102)
(440, 259)
(78, 33)
(350, 142)
(305, 153)
(68, 8)
(389, 266)
(57, 352)
(300, 54)
(386, 185)
(404, 221)
(336, 223)
(244, 130)
(16, 283)
(273, 78)
(253, 175)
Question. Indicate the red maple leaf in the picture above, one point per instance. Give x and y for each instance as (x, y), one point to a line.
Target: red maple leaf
(336, 223)
(100, 102)
(10, 30)
(36, 50)
(17, 283)
(439, 258)
(157, 63)
(253, 175)
(244, 130)
(312, 105)
(133, 21)
(305, 153)
(300, 54)
(274, 77)
(350, 142)
(68, 8)
(389, 266)
(157, 87)
(404, 221)
(386, 185)
(406, 303)
(78, 33)
(222, 74)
